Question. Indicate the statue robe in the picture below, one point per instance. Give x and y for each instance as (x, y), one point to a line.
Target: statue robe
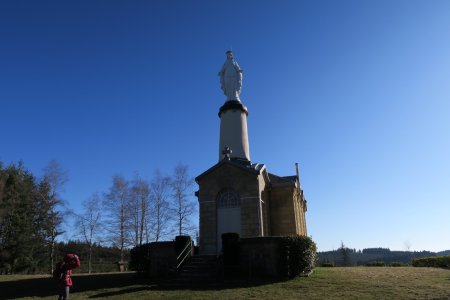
(231, 79)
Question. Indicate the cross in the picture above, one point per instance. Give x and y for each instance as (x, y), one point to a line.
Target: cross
(226, 152)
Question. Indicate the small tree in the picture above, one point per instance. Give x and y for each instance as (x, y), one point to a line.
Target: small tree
(89, 223)
(140, 203)
(160, 212)
(116, 203)
(182, 205)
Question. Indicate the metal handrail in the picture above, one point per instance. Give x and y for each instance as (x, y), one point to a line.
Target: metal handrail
(189, 248)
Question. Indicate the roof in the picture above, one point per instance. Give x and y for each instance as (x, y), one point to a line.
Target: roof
(279, 181)
(282, 179)
(244, 165)
(254, 168)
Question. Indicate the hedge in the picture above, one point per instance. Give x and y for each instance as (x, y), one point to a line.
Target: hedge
(376, 264)
(397, 264)
(327, 265)
(298, 256)
(433, 262)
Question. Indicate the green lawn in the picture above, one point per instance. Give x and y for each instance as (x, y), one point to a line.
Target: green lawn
(325, 283)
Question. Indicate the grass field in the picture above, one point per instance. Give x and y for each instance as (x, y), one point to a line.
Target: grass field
(324, 283)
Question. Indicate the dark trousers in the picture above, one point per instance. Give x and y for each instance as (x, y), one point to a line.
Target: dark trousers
(64, 292)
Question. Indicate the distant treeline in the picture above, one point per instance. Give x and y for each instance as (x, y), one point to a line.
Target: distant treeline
(351, 257)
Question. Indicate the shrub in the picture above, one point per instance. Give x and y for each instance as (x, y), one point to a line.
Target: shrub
(433, 262)
(298, 256)
(376, 264)
(327, 265)
(396, 264)
(230, 248)
(180, 243)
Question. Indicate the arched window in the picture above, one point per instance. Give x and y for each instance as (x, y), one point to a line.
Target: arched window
(228, 198)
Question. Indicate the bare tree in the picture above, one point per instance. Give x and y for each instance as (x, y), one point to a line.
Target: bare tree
(140, 202)
(407, 244)
(116, 203)
(88, 223)
(160, 212)
(182, 205)
(55, 177)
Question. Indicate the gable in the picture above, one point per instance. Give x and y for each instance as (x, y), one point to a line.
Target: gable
(282, 181)
(234, 166)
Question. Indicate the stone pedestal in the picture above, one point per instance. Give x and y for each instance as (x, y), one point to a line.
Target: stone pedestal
(122, 266)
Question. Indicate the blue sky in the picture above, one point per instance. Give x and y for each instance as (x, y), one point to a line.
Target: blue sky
(357, 92)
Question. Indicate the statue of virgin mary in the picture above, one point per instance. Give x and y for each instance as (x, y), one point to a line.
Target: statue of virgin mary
(231, 78)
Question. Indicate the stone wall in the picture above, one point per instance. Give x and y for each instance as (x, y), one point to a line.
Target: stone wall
(162, 259)
(260, 256)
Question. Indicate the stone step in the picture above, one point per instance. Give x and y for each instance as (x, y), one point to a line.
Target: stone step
(199, 271)
(199, 266)
(193, 273)
(203, 261)
(204, 257)
(196, 275)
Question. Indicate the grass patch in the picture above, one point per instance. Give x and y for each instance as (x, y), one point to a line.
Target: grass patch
(325, 283)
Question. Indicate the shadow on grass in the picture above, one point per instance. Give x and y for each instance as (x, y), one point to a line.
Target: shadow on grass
(125, 282)
(45, 287)
(237, 282)
(121, 292)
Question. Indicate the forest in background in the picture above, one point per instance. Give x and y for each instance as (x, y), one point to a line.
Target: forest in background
(345, 256)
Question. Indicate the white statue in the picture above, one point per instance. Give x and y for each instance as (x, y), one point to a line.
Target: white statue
(231, 78)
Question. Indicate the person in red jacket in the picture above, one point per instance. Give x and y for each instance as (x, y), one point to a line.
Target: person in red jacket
(65, 267)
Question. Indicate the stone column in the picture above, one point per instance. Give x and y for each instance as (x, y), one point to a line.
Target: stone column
(233, 130)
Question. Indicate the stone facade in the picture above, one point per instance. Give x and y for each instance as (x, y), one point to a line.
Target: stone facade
(287, 206)
(269, 205)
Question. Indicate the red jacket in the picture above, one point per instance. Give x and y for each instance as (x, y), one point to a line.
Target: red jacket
(71, 261)
(66, 280)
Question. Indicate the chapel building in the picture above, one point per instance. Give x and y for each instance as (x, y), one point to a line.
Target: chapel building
(237, 195)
